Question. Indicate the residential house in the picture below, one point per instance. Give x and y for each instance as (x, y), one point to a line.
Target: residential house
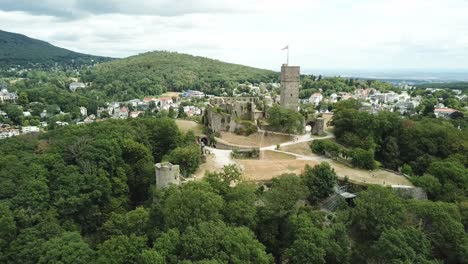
(89, 119)
(6, 132)
(83, 111)
(43, 114)
(135, 114)
(191, 110)
(386, 97)
(6, 96)
(30, 129)
(361, 94)
(405, 107)
(344, 96)
(316, 98)
(444, 112)
(134, 102)
(60, 123)
(165, 103)
(76, 85)
(123, 112)
(193, 94)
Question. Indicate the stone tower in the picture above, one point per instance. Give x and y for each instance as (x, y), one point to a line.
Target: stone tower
(166, 174)
(317, 128)
(290, 79)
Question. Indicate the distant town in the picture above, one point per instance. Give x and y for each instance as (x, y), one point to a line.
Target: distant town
(192, 103)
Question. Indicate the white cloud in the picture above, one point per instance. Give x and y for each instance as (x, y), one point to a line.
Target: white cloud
(379, 34)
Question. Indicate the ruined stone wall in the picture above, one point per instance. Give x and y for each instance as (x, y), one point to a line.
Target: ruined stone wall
(243, 110)
(215, 120)
(224, 113)
(290, 80)
(166, 174)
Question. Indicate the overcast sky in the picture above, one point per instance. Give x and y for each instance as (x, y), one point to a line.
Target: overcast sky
(322, 34)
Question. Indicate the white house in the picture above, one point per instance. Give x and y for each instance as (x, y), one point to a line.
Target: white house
(316, 98)
(43, 114)
(333, 98)
(8, 132)
(76, 85)
(444, 112)
(83, 111)
(29, 129)
(135, 114)
(165, 103)
(7, 96)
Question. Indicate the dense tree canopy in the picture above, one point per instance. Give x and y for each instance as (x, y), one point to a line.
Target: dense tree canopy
(86, 194)
(153, 73)
(285, 120)
(16, 49)
(418, 146)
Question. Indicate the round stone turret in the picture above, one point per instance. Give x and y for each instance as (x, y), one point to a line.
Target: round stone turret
(166, 174)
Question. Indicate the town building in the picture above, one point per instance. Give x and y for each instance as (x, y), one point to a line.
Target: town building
(316, 98)
(30, 129)
(6, 132)
(444, 112)
(76, 85)
(6, 96)
(83, 111)
(193, 94)
(165, 103)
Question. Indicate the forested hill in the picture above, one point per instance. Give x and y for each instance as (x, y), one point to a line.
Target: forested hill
(452, 85)
(17, 49)
(155, 72)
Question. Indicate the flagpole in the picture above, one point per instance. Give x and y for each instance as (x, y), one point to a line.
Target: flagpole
(287, 59)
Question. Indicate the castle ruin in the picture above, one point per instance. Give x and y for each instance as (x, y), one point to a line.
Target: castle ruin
(317, 125)
(167, 174)
(232, 114)
(290, 80)
(240, 114)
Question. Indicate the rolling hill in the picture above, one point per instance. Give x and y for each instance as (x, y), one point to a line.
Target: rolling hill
(152, 73)
(17, 49)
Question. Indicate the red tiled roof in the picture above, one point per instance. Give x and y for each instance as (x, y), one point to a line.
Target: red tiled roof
(444, 110)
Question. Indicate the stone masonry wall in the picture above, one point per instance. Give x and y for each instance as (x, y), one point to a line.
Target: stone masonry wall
(290, 80)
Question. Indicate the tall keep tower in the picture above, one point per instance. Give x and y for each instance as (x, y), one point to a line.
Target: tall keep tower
(290, 79)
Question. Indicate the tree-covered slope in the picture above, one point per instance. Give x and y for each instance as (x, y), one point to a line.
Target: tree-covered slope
(17, 49)
(155, 72)
(452, 85)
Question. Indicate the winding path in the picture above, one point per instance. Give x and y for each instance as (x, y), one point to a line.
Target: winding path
(222, 157)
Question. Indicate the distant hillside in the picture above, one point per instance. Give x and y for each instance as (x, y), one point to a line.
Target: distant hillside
(155, 72)
(17, 49)
(450, 85)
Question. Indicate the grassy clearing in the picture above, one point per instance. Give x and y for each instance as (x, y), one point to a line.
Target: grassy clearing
(187, 125)
(254, 140)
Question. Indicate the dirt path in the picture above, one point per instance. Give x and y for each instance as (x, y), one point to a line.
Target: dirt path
(258, 139)
(292, 156)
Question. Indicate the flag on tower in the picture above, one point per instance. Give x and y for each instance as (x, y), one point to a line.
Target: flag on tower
(287, 47)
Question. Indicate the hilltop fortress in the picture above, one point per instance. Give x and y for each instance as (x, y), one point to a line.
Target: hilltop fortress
(242, 115)
(233, 114)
